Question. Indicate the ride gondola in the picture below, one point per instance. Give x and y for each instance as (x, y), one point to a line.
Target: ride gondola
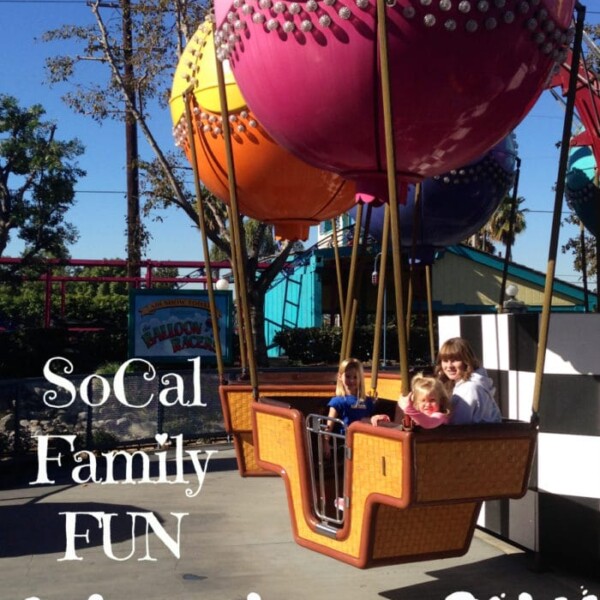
(406, 495)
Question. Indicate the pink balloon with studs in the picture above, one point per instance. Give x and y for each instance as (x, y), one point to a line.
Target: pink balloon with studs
(463, 74)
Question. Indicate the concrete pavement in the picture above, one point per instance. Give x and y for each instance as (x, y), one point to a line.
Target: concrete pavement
(235, 540)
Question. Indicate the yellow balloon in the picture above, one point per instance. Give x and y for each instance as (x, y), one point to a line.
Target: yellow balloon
(199, 57)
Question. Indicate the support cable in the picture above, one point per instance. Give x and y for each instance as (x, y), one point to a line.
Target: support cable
(556, 219)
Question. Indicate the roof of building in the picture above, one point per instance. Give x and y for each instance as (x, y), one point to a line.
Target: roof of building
(516, 270)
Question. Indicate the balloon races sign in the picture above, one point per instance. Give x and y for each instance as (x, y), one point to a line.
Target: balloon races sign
(175, 325)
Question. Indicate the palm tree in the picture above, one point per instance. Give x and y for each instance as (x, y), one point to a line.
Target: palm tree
(498, 228)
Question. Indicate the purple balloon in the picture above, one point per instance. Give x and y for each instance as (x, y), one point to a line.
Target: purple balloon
(454, 205)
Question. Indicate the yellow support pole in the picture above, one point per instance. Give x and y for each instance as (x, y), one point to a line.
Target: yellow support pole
(338, 267)
(556, 219)
(380, 296)
(428, 275)
(392, 192)
(346, 333)
(202, 224)
(236, 237)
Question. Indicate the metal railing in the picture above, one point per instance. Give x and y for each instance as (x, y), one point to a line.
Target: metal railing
(326, 459)
(26, 412)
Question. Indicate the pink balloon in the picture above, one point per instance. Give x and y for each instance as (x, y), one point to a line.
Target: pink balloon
(463, 73)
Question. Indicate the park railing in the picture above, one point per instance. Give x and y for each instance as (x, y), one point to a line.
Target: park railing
(102, 419)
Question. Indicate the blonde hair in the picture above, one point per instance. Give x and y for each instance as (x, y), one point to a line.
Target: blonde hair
(423, 386)
(456, 349)
(346, 365)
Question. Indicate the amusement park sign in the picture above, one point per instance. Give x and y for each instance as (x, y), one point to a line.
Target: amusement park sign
(175, 325)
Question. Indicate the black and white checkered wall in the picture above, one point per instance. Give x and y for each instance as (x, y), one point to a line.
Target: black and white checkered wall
(560, 515)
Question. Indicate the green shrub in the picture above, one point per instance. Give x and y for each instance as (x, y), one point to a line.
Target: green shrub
(4, 443)
(310, 345)
(25, 439)
(317, 345)
(104, 440)
(25, 351)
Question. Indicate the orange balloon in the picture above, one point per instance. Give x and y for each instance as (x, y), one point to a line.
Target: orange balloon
(272, 185)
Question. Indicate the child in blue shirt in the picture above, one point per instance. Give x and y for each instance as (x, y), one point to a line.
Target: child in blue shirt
(350, 402)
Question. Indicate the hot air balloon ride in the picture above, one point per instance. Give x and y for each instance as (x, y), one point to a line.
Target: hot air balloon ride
(316, 76)
(392, 511)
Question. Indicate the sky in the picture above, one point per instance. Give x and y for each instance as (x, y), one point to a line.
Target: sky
(100, 210)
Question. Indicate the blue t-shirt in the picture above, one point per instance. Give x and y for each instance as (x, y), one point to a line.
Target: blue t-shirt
(348, 409)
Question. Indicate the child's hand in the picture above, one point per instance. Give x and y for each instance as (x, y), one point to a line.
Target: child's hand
(376, 419)
(405, 401)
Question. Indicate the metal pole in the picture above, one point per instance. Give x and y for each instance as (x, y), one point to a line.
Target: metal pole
(338, 267)
(428, 275)
(345, 350)
(202, 224)
(586, 302)
(511, 224)
(411, 268)
(409, 301)
(384, 363)
(381, 300)
(362, 242)
(236, 238)
(558, 200)
(392, 192)
(131, 150)
(241, 335)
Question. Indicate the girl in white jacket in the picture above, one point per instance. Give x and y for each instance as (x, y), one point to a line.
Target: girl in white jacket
(467, 382)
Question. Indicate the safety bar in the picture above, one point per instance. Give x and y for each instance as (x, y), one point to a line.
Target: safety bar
(326, 454)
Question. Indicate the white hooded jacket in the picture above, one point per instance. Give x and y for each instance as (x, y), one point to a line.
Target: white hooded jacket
(473, 400)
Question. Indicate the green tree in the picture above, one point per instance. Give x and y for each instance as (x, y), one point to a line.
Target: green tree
(164, 272)
(592, 40)
(93, 299)
(97, 299)
(38, 174)
(499, 226)
(160, 31)
(260, 236)
(22, 305)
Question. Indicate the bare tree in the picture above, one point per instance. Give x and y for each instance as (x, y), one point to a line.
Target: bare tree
(160, 30)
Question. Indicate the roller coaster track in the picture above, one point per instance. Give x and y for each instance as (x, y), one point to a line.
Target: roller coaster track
(587, 99)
